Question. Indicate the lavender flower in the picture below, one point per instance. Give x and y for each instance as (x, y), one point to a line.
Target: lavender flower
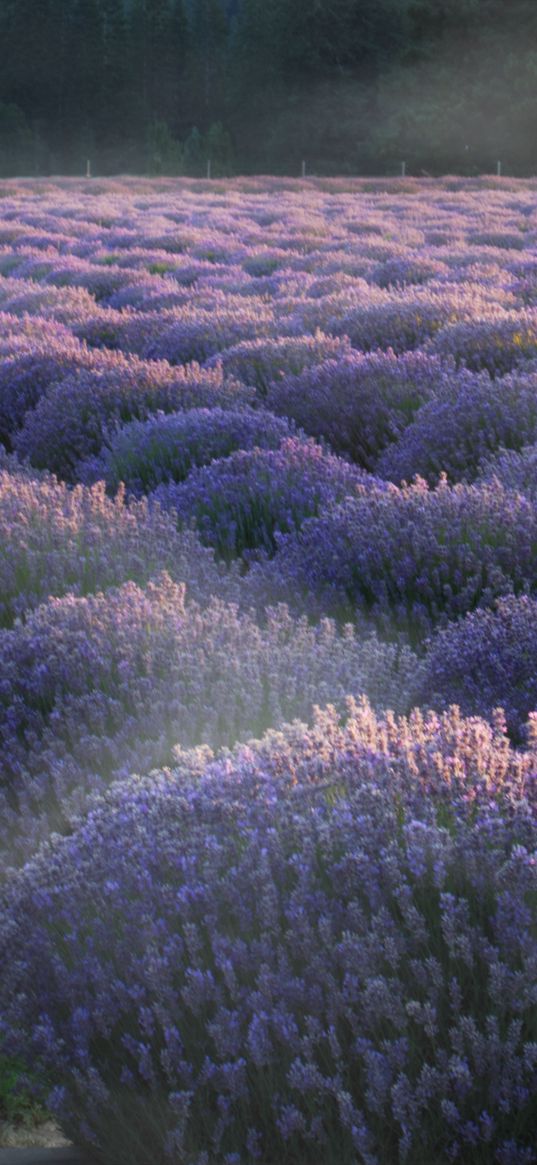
(240, 502)
(146, 454)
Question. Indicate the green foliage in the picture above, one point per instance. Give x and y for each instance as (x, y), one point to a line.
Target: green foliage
(166, 155)
(17, 1106)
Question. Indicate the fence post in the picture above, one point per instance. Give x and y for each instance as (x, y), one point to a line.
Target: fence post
(88, 169)
(403, 169)
(499, 169)
(208, 167)
(303, 169)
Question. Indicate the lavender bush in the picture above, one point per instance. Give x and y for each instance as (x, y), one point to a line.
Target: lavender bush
(260, 362)
(515, 469)
(241, 502)
(146, 454)
(359, 403)
(55, 541)
(497, 344)
(410, 558)
(469, 418)
(317, 948)
(30, 365)
(71, 420)
(485, 660)
(130, 673)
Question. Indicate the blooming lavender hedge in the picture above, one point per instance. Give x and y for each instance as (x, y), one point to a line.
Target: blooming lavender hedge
(469, 418)
(71, 420)
(359, 402)
(486, 660)
(240, 503)
(320, 948)
(497, 344)
(260, 362)
(55, 541)
(410, 558)
(517, 470)
(132, 672)
(146, 454)
(30, 365)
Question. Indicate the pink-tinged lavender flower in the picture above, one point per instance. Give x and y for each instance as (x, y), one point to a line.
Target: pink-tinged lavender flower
(54, 540)
(405, 320)
(146, 454)
(93, 688)
(63, 305)
(241, 502)
(198, 332)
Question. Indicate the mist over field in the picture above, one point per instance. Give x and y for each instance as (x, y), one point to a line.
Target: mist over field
(349, 86)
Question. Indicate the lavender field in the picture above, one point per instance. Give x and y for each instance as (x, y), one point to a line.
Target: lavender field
(268, 667)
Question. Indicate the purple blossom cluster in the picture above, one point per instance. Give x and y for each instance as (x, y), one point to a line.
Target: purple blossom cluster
(323, 948)
(319, 944)
(132, 672)
(497, 343)
(515, 468)
(467, 420)
(410, 558)
(358, 402)
(242, 502)
(261, 362)
(70, 421)
(55, 541)
(146, 454)
(487, 660)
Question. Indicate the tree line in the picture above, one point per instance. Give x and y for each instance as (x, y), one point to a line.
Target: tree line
(349, 86)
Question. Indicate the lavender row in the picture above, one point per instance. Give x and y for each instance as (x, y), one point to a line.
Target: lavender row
(322, 946)
(95, 688)
(54, 540)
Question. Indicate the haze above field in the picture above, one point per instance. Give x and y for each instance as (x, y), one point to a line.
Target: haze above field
(349, 86)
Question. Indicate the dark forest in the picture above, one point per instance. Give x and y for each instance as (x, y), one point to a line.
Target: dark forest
(348, 86)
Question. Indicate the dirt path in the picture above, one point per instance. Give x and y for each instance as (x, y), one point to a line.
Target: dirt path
(42, 1136)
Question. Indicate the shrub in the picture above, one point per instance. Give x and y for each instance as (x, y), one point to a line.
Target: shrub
(62, 304)
(411, 558)
(145, 454)
(496, 344)
(198, 333)
(29, 366)
(259, 362)
(484, 660)
(359, 402)
(54, 540)
(130, 673)
(71, 420)
(470, 417)
(406, 320)
(515, 469)
(320, 948)
(239, 503)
